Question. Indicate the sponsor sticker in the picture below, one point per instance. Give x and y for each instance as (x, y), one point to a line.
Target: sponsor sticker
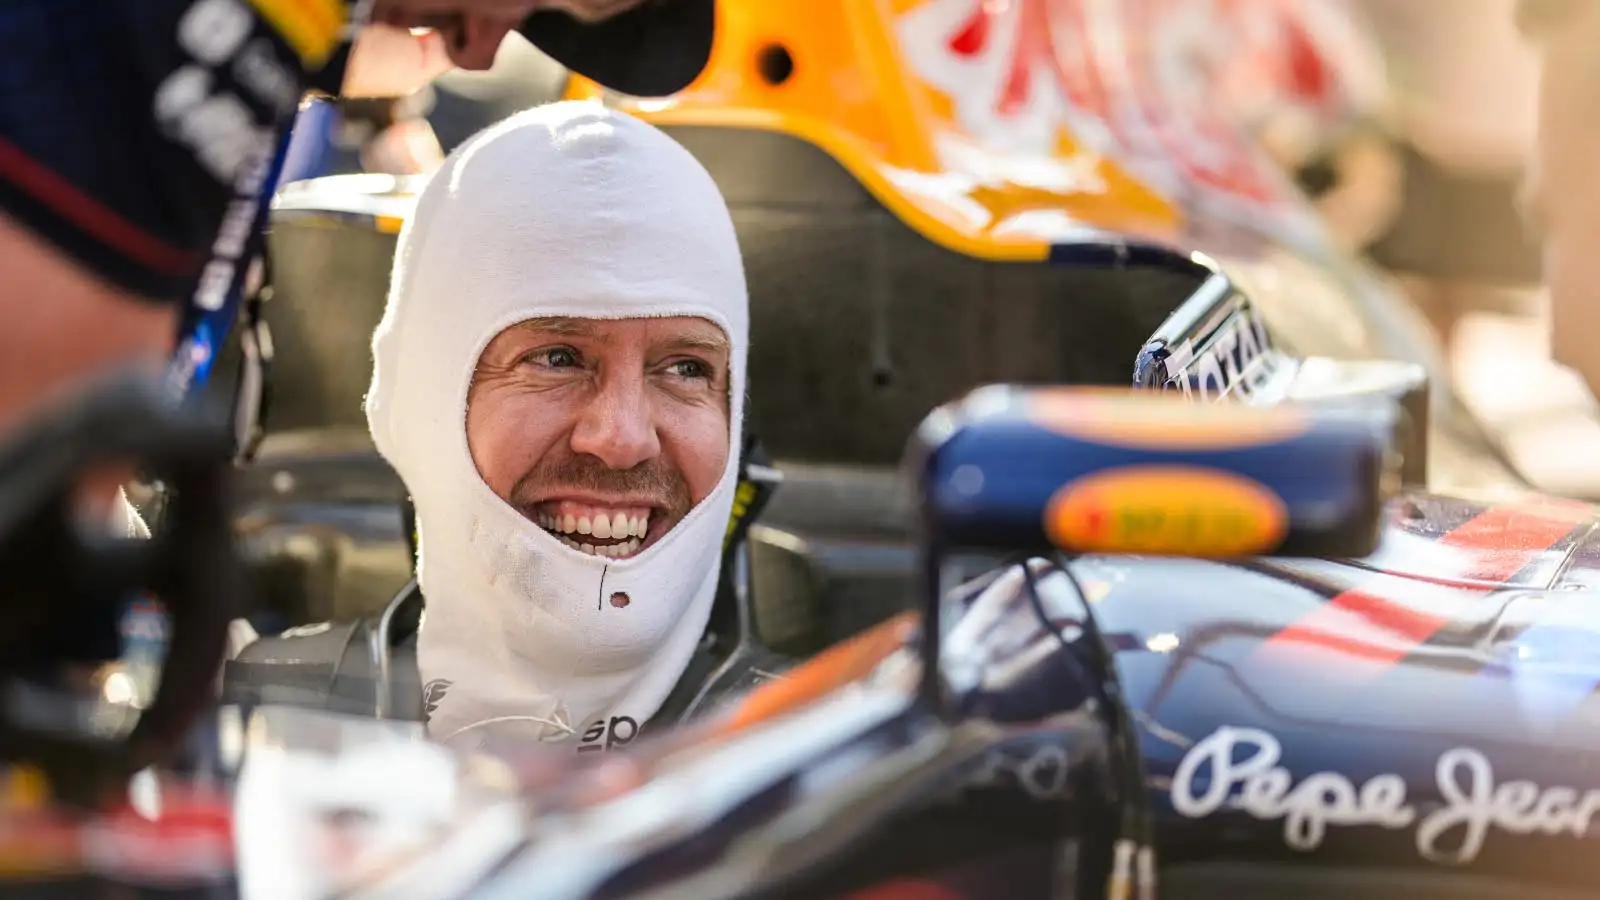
(1230, 363)
(1161, 422)
(1180, 510)
(1242, 770)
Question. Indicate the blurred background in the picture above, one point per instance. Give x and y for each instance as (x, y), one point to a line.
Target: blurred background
(1461, 111)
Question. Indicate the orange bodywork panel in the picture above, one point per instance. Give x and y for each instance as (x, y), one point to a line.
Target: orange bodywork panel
(835, 73)
(828, 671)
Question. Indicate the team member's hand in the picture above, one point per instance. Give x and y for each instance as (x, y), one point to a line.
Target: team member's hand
(473, 29)
(390, 61)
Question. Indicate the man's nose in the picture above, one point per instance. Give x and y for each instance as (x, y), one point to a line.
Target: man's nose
(618, 425)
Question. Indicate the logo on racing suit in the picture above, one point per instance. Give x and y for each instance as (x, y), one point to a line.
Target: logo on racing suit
(198, 110)
(432, 694)
(609, 734)
(1453, 833)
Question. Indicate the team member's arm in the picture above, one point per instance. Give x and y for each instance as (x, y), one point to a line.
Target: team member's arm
(125, 130)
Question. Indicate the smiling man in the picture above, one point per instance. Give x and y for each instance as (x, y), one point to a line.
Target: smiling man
(560, 382)
(606, 434)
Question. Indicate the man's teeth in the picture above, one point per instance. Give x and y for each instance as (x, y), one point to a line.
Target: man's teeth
(603, 526)
(627, 528)
(614, 551)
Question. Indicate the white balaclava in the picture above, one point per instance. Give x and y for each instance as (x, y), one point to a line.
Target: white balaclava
(568, 209)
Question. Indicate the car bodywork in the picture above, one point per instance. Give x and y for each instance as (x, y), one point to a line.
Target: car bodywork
(1412, 722)
(1458, 675)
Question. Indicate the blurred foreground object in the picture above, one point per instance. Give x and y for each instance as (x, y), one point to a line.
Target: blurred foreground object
(1464, 88)
(68, 585)
(1086, 471)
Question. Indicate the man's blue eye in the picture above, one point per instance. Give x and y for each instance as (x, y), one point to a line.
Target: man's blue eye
(691, 368)
(559, 358)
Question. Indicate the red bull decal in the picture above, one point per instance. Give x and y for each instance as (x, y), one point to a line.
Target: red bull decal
(1166, 87)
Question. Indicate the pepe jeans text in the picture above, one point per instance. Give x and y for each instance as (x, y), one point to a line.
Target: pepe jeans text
(1471, 803)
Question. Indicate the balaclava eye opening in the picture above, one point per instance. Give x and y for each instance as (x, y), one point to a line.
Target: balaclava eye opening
(565, 210)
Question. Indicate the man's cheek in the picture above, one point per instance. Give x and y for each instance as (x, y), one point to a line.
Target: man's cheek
(506, 437)
(705, 440)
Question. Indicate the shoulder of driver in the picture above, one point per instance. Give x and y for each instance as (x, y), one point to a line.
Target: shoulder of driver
(128, 128)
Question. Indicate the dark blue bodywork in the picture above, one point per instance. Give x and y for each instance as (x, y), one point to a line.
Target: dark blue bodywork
(1414, 722)
(1394, 726)
(1422, 719)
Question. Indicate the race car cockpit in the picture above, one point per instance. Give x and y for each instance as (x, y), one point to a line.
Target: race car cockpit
(368, 667)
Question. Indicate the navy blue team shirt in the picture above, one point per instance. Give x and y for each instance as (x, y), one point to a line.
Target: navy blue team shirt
(128, 128)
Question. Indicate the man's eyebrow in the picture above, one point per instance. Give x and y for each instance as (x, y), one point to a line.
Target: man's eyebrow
(570, 326)
(709, 343)
(566, 326)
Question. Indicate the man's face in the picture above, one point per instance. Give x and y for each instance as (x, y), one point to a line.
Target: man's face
(604, 433)
(1562, 190)
(473, 29)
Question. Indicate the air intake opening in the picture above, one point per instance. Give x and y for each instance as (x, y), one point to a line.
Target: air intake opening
(775, 64)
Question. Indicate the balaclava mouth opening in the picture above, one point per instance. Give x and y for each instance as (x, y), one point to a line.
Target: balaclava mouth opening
(573, 210)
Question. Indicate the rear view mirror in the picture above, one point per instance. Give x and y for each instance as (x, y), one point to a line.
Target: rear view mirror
(1096, 471)
(1216, 347)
